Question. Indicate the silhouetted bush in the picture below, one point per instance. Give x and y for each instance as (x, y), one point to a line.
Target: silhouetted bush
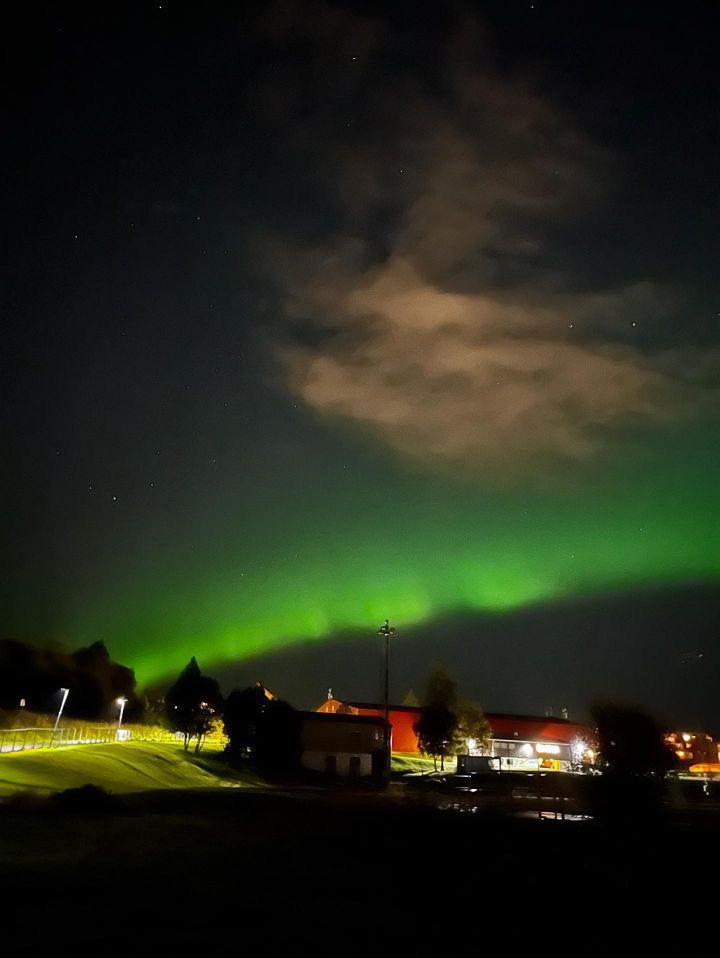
(86, 799)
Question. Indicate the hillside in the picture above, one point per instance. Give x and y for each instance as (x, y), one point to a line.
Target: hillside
(118, 768)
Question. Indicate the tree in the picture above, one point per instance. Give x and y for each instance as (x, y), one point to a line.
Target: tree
(263, 729)
(278, 742)
(635, 760)
(95, 681)
(193, 704)
(242, 716)
(630, 742)
(472, 726)
(441, 689)
(436, 728)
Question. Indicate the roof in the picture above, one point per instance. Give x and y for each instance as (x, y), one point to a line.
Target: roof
(504, 725)
(379, 707)
(498, 716)
(343, 717)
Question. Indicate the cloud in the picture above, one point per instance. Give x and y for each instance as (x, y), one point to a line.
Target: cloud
(442, 323)
(473, 379)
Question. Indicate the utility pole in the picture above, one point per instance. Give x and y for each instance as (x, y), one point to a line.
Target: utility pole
(387, 631)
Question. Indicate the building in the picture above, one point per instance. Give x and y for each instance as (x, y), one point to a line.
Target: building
(695, 752)
(401, 719)
(345, 745)
(532, 742)
(521, 742)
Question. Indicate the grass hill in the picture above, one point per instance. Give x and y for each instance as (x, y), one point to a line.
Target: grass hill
(118, 768)
(404, 763)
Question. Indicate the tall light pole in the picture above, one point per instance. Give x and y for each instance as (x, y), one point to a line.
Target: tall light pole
(65, 693)
(121, 702)
(386, 631)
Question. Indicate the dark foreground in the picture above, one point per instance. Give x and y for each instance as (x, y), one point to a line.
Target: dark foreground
(308, 873)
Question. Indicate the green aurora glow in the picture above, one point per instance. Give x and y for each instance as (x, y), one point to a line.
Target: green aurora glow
(332, 556)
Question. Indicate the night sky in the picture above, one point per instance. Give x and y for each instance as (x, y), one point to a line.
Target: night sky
(318, 314)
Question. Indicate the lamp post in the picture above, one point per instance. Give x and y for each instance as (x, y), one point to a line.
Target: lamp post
(121, 702)
(65, 693)
(386, 631)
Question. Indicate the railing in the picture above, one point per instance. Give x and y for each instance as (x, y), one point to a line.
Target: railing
(21, 739)
(25, 739)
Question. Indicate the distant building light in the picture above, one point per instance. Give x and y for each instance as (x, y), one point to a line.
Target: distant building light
(544, 748)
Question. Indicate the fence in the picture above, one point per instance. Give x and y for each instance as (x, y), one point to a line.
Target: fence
(23, 739)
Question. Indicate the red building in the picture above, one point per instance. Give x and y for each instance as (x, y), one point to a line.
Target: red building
(401, 718)
(517, 739)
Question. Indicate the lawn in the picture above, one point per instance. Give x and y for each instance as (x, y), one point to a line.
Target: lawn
(118, 768)
(408, 763)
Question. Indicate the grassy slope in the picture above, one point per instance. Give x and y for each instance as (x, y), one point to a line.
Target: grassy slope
(407, 763)
(122, 767)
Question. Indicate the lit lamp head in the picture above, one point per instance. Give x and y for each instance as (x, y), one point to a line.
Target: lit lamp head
(386, 630)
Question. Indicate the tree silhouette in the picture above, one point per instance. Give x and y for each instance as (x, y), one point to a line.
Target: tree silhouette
(630, 741)
(193, 704)
(242, 716)
(262, 729)
(95, 681)
(635, 761)
(437, 726)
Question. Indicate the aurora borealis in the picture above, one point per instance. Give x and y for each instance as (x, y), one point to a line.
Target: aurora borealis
(320, 318)
(391, 541)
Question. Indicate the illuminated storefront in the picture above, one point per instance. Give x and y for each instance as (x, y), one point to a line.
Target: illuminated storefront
(516, 755)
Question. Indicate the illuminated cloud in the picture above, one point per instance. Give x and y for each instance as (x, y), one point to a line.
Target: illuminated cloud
(474, 380)
(449, 332)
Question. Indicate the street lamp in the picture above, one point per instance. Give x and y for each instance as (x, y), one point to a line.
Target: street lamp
(387, 631)
(121, 702)
(65, 693)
